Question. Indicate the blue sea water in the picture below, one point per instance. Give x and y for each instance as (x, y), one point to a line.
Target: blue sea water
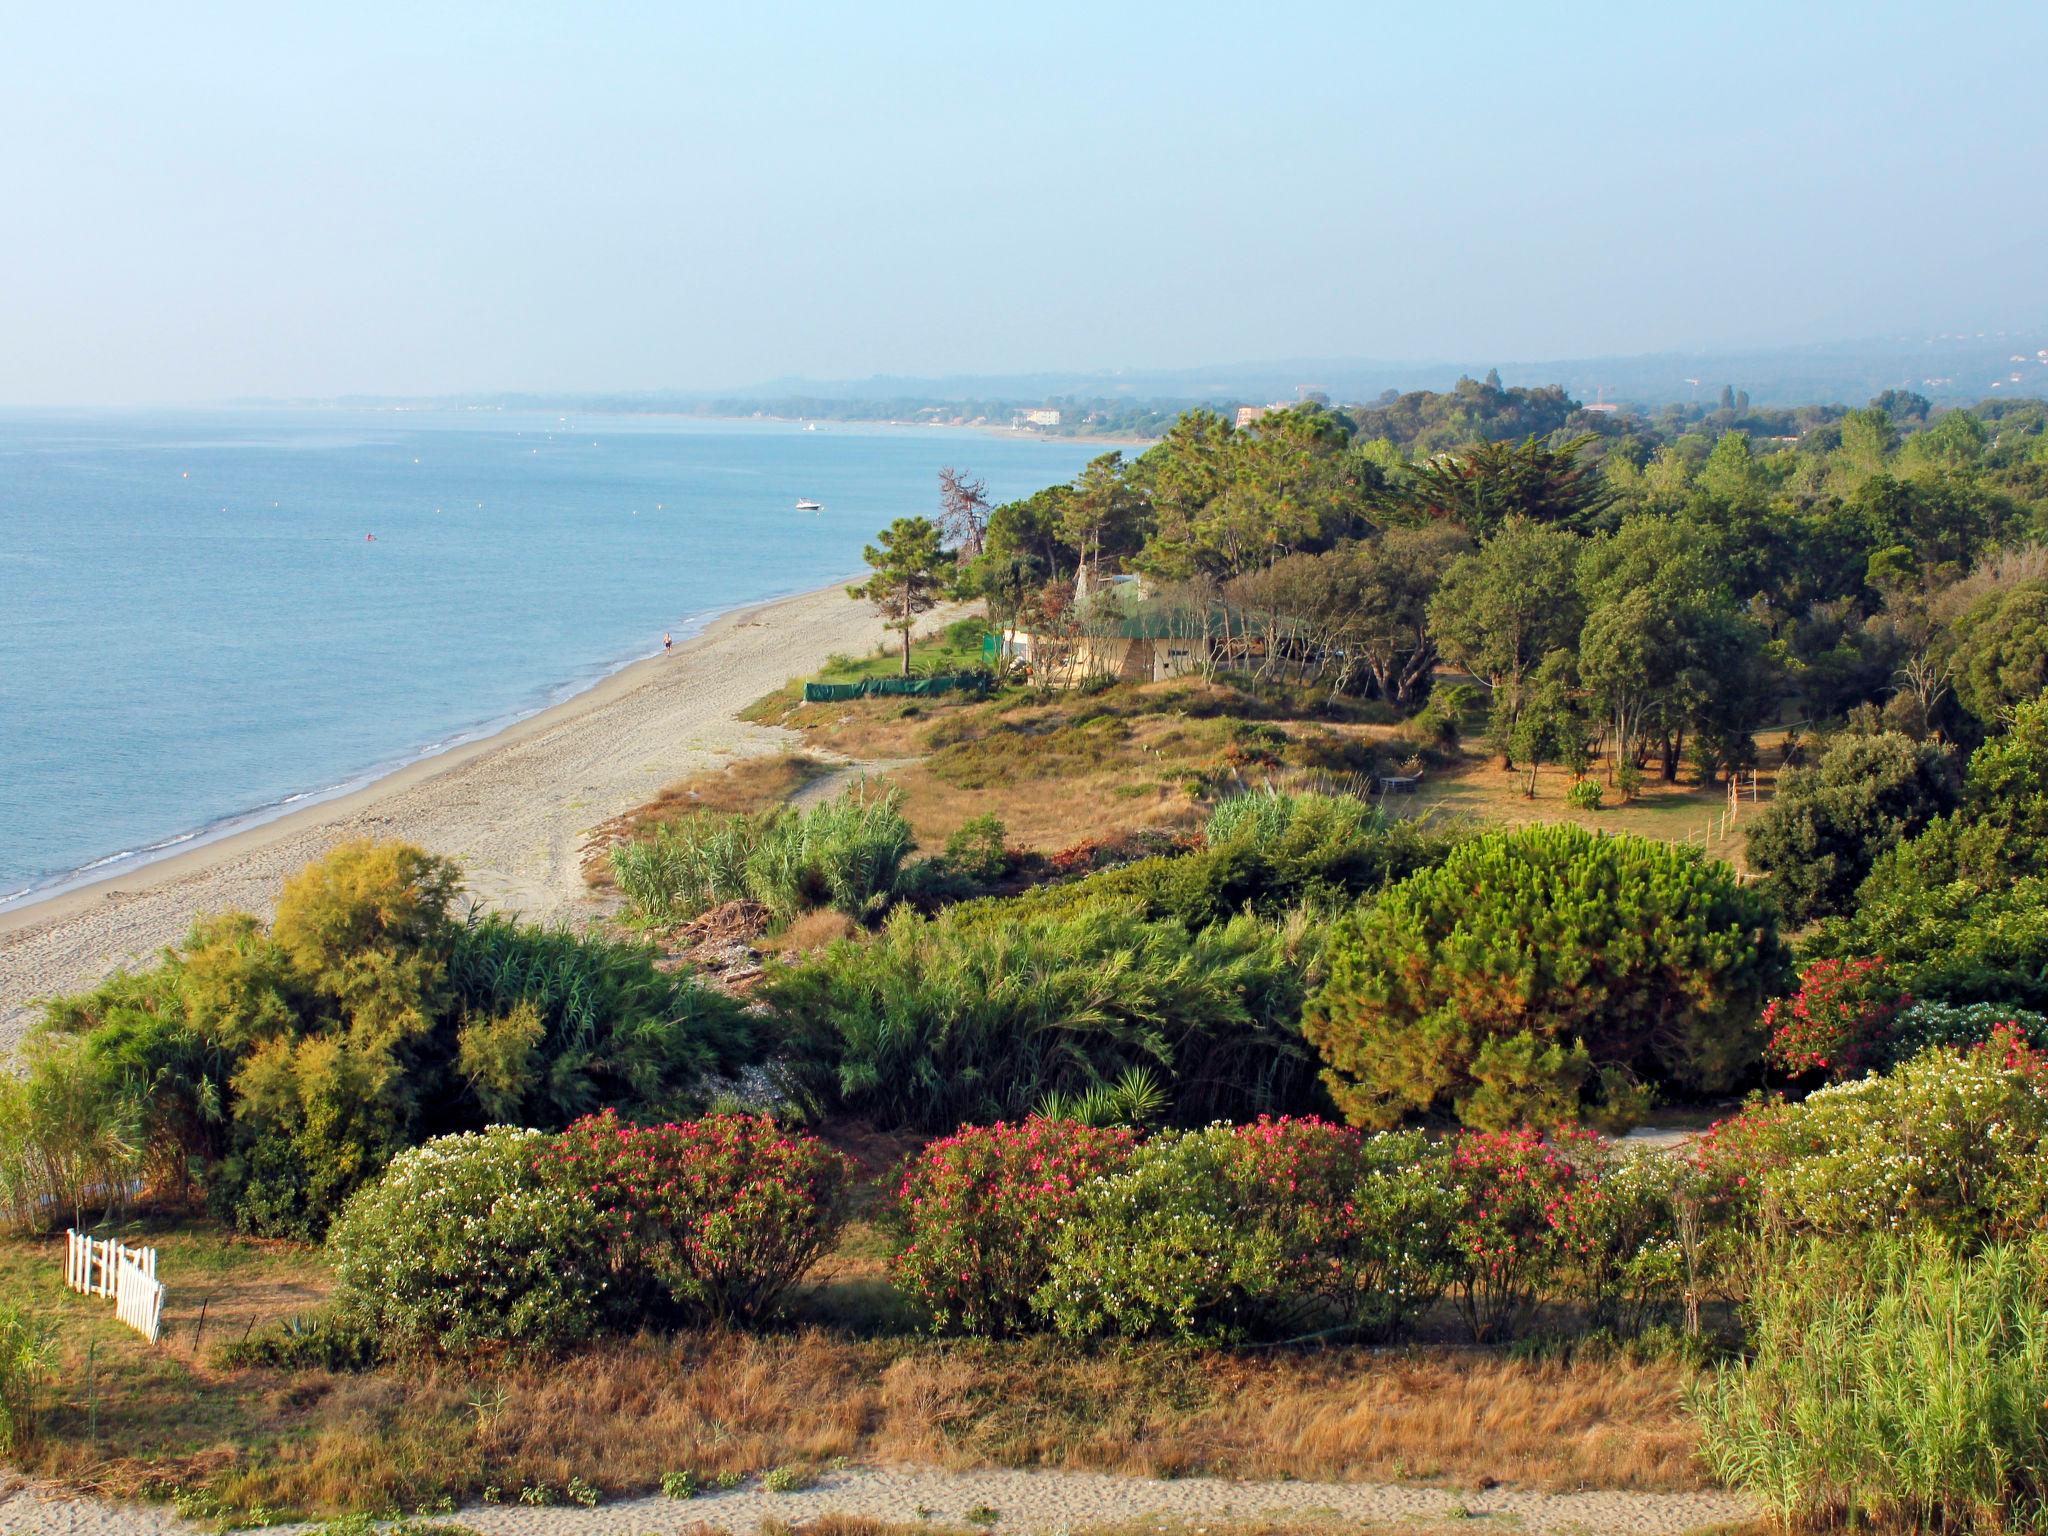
(196, 629)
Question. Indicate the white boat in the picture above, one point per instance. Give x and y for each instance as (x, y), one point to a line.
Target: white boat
(810, 506)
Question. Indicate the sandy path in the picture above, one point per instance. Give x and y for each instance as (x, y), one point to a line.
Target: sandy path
(513, 809)
(1022, 1501)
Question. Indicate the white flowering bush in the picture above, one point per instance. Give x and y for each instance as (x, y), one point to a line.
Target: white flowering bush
(1217, 1233)
(465, 1245)
(1950, 1141)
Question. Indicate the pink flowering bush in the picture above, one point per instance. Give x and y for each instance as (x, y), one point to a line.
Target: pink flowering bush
(1234, 1230)
(980, 1208)
(1840, 1021)
(1523, 1218)
(723, 1215)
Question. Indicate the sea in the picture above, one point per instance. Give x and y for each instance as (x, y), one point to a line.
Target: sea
(209, 618)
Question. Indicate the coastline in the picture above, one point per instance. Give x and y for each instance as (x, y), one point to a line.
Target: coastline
(513, 806)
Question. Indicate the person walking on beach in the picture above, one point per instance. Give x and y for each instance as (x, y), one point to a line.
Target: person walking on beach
(667, 644)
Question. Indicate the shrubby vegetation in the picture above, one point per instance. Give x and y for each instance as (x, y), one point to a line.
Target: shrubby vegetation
(718, 1216)
(469, 1243)
(936, 1021)
(1898, 1383)
(846, 854)
(277, 1068)
(1538, 974)
(1252, 1229)
(979, 1211)
(1960, 911)
(1827, 825)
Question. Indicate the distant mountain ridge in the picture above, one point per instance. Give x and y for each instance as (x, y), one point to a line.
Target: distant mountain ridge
(1947, 369)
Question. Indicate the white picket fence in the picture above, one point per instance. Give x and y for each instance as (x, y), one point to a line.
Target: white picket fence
(103, 1266)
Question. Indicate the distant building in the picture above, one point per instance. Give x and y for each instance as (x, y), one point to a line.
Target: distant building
(1041, 416)
(1247, 414)
(1604, 407)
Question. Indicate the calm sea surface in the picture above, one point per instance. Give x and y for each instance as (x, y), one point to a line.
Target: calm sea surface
(195, 629)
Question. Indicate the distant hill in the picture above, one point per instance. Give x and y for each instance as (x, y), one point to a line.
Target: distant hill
(1947, 369)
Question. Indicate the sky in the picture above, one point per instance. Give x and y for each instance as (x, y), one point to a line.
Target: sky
(200, 202)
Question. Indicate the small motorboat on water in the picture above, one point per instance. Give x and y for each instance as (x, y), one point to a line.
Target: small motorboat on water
(810, 506)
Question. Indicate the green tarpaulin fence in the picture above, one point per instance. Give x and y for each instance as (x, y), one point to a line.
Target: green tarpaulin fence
(871, 687)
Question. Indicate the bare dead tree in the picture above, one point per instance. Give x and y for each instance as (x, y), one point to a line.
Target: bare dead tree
(963, 511)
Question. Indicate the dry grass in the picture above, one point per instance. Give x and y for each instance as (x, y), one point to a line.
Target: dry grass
(1477, 786)
(854, 1380)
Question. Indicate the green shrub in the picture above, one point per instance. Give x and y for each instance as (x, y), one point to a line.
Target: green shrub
(845, 853)
(935, 1022)
(465, 1244)
(722, 1215)
(323, 1342)
(278, 1068)
(606, 1025)
(1960, 912)
(1924, 1025)
(979, 851)
(1584, 795)
(28, 1362)
(1266, 852)
(1817, 839)
(1900, 1386)
(1229, 1231)
(1651, 958)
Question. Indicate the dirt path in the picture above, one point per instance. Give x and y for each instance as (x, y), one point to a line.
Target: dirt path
(1017, 1502)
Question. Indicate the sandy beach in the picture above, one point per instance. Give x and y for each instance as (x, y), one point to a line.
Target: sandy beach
(1023, 1503)
(513, 808)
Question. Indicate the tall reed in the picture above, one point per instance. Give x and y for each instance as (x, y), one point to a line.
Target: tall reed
(1895, 1382)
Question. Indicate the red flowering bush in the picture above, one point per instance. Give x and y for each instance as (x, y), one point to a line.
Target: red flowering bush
(1838, 1022)
(1523, 1214)
(980, 1208)
(722, 1214)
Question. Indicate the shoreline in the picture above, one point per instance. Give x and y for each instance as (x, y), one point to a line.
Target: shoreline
(511, 806)
(132, 867)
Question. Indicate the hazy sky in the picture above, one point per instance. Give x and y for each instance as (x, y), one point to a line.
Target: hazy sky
(204, 201)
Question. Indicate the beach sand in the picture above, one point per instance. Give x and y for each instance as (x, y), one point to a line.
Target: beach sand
(513, 808)
(1015, 1502)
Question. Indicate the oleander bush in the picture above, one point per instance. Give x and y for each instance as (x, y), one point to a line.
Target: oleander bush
(979, 1210)
(1841, 1021)
(471, 1243)
(1951, 1142)
(1520, 1221)
(936, 1022)
(717, 1218)
(1235, 1231)
(1622, 961)
(1894, 1384)
(846, 853)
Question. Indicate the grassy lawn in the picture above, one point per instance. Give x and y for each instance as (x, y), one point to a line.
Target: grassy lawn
(848, 1376)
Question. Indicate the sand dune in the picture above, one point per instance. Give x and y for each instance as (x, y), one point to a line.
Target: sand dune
(513, 808)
